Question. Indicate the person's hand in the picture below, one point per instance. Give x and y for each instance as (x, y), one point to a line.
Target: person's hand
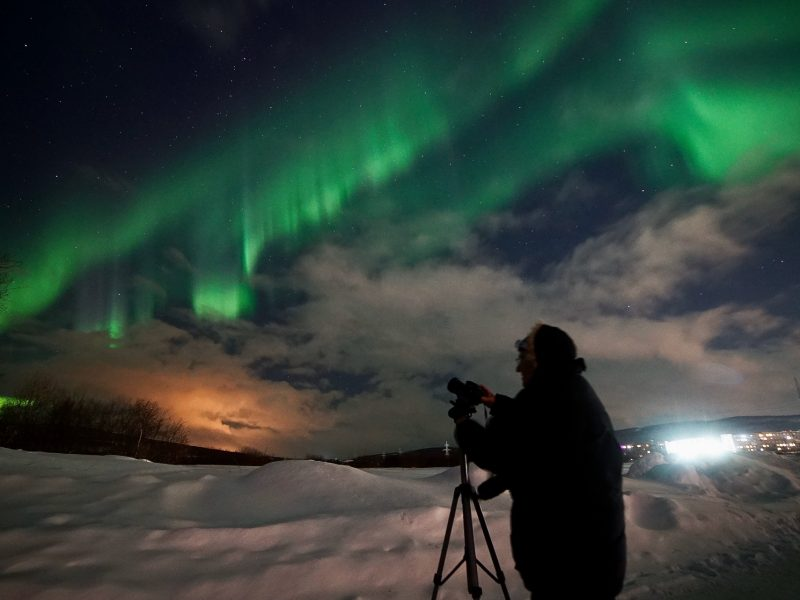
(488, 397)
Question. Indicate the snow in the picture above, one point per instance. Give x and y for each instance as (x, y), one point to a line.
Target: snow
(106, 527)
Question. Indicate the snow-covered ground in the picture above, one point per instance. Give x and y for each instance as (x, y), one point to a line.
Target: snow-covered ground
(107, 527)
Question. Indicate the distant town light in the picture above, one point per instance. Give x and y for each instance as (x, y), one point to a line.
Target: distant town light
(780, 442)
(701, 447)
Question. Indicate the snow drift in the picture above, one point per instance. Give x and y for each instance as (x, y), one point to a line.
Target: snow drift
(102, 527)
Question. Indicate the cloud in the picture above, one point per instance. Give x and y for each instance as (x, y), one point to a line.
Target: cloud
(418, 319)
(197, 380)
(361, 364)
(440, 317)
(147, 285)
(233, 424)
(178, 259)
(646, 260)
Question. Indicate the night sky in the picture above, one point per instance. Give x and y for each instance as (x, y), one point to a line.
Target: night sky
(292, 222)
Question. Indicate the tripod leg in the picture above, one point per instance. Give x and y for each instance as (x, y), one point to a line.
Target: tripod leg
(469, 543)
(437, 578)
(500, 577)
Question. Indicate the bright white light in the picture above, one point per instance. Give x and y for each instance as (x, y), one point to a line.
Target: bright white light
(701, 447)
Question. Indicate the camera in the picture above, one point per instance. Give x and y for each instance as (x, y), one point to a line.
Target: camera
(468, 396)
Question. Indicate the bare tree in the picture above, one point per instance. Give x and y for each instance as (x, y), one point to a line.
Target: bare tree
(58, 413)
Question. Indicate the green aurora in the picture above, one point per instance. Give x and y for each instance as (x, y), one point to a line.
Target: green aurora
(450, 117)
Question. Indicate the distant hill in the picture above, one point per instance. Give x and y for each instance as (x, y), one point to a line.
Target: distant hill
(422, 458)
(92, 442)
(734, 425)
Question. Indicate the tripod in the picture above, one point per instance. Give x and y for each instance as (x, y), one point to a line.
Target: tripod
(465, 493)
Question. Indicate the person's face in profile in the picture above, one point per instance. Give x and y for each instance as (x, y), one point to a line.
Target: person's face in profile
(526, 365)
(526, 357)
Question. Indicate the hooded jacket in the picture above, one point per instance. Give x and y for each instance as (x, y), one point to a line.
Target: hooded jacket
(554, 447)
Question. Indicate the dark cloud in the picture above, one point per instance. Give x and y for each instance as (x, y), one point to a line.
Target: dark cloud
(233, 346)
(177, 342)
(233, 424)
(178, 259)
(196, 328)
(264, 368)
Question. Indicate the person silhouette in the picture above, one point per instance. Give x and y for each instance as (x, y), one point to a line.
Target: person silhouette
(553, 447)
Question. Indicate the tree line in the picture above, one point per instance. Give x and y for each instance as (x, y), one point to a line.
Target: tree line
(43, 415)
